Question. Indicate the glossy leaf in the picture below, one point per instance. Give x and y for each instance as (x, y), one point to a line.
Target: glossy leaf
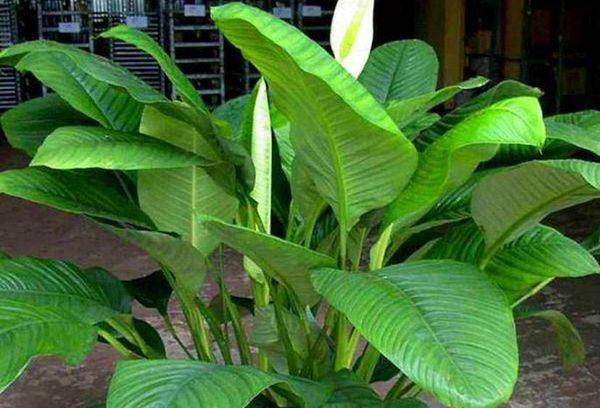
(181, 259)
(145, 43)
(401, 70)
(539, 255)
(508, 203)
(183, 384)
(443, 323)
(352, 33)
(27, 125)
(288, 263)
(449, 161)
(28, 330)
(581, 129)
(80, 147)
(354, 152)
(91, 193)
(504, 90)
(92, 295)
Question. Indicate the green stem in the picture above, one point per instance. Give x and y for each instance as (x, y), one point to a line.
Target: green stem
(532, 292)
(398, 389)
(215, 329)
(124, 325)
(171, 329)
(116, 344)
(368, 362)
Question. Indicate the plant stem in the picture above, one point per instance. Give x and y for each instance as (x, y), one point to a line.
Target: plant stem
(368, 362)
(171, 329)
(124, 325)
(398, 389)
(215, 329)
(116, 344)
(532, 292)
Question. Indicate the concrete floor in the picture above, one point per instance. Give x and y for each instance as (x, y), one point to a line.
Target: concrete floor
(28, 229)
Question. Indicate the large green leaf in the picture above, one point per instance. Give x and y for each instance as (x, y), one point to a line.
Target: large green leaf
(401, 70)
(144, 42)
(80, 192)
(28, 330)
(184, 384)
(80, 147)
(288, 263)
(353, 150)
(92, 296)
(92, 85)
(504, 90)
(539, 255)
(443, 323)
(581, 129)
(233, 112)
(185, 262)
(352, 33)
(172, 197)
(27, 125)
(449, 161)
(507, 203)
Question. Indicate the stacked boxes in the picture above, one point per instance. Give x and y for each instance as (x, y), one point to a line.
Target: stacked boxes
(9, 79)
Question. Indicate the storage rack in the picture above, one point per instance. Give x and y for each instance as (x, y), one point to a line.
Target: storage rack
(197, 47)
(9, 79)
(244, 74)
(314, 19)
(144, 15)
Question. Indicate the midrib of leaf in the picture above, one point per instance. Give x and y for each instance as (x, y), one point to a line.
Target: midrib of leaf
(520, 221)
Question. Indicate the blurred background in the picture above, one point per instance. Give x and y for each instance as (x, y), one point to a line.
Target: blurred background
(551, 44)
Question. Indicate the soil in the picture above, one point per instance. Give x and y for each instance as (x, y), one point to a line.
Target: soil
(29, 229)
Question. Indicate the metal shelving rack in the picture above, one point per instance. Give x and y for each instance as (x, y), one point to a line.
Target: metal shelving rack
(314, 19)
(66, 21)
(9, 78)
(144, 15)
(197, 47)
(246, 76)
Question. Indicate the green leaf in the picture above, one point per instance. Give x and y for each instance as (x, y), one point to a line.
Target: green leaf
(27, 125)
(91, 193)
(181, 259)
(504, 90)
(233, 112)
(350, 392)
(28, 330)
(288, 263)
(353, 150)
(450, 160)
(152, 291)
(539, 255)
(443, 323)
(581, 129)
(172, 197)
(570, 346)
(183, 384)
(3, 255)
(92, 295)
(401, 70)
(145, 43)
(507, 203)
(352, 34)
(404, 111)
(592, 243)
(80, 147)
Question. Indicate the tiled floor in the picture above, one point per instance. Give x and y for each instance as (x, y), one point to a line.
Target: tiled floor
(27, 229)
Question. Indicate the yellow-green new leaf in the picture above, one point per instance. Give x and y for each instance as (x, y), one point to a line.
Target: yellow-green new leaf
(442, 323)
(354, 152)
(352, 33)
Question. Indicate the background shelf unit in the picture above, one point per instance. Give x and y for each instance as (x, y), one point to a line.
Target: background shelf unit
(10, 86)
(243, 76)
(314, 19)
(197, 47)
(144, 15)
